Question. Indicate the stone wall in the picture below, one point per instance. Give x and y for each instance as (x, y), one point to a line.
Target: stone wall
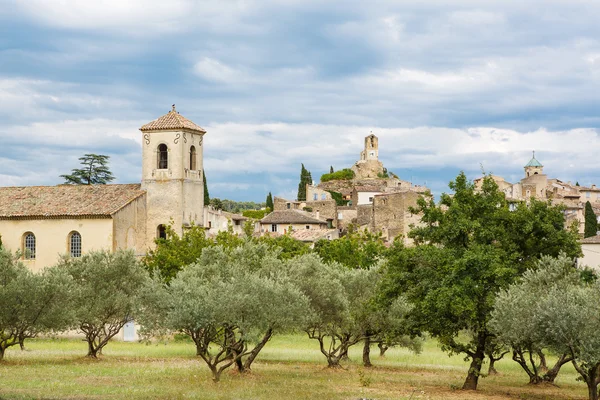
(363, 215)
(391, 215)
(367, 169)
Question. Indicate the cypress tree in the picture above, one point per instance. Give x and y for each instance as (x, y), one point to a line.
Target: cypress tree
(331, 169)
(591, 223)
(270, 201)
(206, 195)
(305, 178)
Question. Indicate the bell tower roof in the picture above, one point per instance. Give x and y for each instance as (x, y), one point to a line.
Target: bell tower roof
(533, 162)
(172, 121)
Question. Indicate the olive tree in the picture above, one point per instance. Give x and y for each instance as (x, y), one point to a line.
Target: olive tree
(569, 318)
(341, 300)
(515, 319)
(31, 303)
(106, 288)
(231, 302)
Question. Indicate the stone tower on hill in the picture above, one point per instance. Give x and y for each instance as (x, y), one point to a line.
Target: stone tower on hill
(371, 151)
(369, 166)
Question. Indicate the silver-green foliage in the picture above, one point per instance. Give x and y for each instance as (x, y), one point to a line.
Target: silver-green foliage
(516, 316)
(105, 292)
(553, 307)
(231, 302)
(31, 303)
(342, 312)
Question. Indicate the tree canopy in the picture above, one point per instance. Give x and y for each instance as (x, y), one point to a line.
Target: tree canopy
(94, 171)
(305, 179)
(104, 295)
(31, 303)
(591, 222)
(470, 246)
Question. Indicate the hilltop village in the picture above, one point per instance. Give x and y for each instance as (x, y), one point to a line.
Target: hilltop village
(44, 221)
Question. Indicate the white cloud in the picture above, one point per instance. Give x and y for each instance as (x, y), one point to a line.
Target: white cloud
(213, 70)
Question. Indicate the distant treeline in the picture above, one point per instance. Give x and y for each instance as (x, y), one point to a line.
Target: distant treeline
(235, 206)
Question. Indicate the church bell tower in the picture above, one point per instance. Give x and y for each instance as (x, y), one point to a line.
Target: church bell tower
(172, 173)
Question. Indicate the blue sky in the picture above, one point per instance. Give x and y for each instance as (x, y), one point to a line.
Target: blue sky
(446, 85)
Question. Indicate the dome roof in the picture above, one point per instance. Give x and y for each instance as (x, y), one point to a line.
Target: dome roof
(533, 162)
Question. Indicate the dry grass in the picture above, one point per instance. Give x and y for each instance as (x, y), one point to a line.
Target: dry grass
(289, 368)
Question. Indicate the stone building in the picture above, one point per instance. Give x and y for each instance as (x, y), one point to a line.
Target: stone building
(43, 222)
(369, 165)
(536, 184)
(319, 209)
(390, 215)
(216, 221)
(281, 222)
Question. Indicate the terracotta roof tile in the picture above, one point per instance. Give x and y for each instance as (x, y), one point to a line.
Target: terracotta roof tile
(291, 217)
(312, 235)
(368, 189)
(66, 200)
(172, 120)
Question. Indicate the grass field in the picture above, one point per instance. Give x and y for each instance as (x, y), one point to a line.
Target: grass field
(290, 367)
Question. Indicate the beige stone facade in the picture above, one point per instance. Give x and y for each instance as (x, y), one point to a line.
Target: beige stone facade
(590, 248)
(44, 222)
(536, 184)
(391, 214)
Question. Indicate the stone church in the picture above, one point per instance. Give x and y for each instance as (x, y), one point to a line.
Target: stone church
(43, 222)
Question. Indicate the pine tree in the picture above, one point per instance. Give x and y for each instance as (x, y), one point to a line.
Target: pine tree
(94, 172)
(577, 183)
(305, 178)
(206, 195)
(270, 201)
(591, 223)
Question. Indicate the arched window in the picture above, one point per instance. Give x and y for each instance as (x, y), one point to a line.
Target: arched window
(75, 244)
(163, 156)
(192, 158)
(161, 232)
(29, 246)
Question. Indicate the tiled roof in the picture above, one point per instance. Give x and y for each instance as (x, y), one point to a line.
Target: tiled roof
(591, 239)
(312, 235)
(66, 200)
(291, 217)
(368, 189)
(171, 120)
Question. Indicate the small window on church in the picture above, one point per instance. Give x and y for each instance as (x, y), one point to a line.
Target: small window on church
(192, 158)
(75, 244)
(161, 232)
(163, 156)
(29, 246)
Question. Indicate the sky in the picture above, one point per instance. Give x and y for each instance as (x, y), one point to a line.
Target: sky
(447, 86)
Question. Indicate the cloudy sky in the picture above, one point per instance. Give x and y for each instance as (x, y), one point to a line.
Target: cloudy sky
(446, 85)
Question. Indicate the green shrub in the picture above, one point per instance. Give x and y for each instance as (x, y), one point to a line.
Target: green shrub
(256, 214)
(339, 199)
(344, 174)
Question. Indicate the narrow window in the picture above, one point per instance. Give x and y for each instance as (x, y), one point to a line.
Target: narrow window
(29, 246)
(192, 158)
(273, 227)
(315, 196)
(161, 232)
(307, 226)
(75, 244)
(323, 196)
(163, 156)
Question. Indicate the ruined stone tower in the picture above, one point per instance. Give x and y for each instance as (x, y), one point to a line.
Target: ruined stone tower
(371, 151)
